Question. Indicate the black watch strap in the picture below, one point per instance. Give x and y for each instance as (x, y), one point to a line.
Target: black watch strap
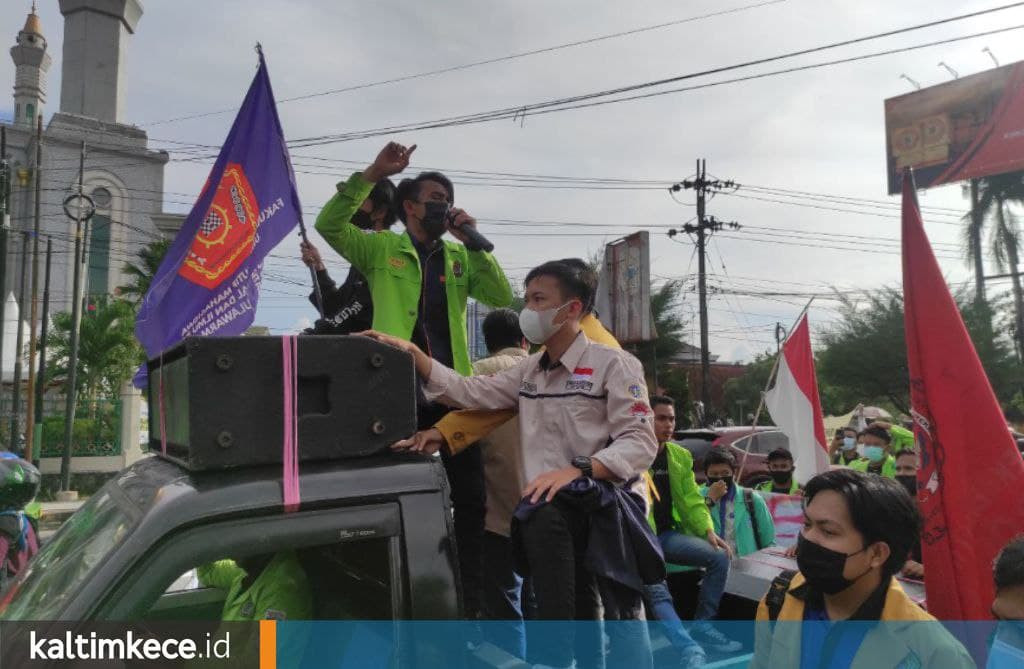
(583, 463)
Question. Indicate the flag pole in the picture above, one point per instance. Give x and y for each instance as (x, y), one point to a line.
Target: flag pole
(302, 232)
(767, 385)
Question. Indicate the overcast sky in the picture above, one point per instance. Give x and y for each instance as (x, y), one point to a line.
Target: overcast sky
(820, 131)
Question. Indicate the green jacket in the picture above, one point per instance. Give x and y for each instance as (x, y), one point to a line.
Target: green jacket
(794, 487)
(280, 592)
(888, 466)
(743, 541)
(689, 512)
(392, 269)
(902, 438)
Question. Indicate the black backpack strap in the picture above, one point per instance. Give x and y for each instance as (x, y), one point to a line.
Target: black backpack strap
(748, 499)
(776, 596)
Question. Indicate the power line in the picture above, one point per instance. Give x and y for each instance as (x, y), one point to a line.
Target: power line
(592, 99)
(479, 63)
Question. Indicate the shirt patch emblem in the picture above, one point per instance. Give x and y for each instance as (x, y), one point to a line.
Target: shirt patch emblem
(528, 387)
(457, 269)
(397, 263)
(578, 385)
(247, 609)
(583, 371)
(274, 614)
(640, 409)
(636, 391)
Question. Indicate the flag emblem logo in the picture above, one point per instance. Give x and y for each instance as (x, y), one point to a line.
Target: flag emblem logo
(227, 234)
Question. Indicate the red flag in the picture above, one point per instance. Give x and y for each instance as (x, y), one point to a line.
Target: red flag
(971, 473)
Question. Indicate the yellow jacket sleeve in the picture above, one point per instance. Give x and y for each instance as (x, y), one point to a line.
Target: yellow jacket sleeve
(466, 427)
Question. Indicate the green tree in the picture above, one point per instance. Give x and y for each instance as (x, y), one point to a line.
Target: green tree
(108, 352)
(142, 271)
(743, 394)
(669, 330)
(996, 197)
(864, 358)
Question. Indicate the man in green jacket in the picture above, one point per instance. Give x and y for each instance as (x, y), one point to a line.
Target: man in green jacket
(781, 469)
(264, 587)
(740, 516)
(682, 523)
(419, 285)
(875, 445)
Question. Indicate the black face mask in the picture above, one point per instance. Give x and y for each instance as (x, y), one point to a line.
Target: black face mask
(823, 567)
(781, 477)
(728, 480)
(362, 220)
(435, 218)
(909, 482)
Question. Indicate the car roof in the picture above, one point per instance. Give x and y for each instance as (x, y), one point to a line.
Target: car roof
(166, 491)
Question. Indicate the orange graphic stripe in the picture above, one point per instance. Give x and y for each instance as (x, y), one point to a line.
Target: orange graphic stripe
(268, 644)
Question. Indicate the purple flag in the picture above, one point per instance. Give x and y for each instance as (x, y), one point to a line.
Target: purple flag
(209, 282)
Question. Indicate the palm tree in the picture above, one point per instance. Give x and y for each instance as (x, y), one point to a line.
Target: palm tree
(142, 271)
(108, 352)
(995, 197)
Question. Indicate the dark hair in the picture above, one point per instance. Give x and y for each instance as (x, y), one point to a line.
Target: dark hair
(571, 280)
(881, 510)
(780, 454)
(501, 330)
(409, 189)
(879, 432)
(719, 456)
(588, 275)
(383, 195)
(662, 399)
(905, 451)
(1008, 568)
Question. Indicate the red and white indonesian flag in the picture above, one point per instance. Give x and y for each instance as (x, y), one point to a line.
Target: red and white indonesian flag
(795, 407)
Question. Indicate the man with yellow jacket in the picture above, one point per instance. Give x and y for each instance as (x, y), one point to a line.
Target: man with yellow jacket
(858, 531)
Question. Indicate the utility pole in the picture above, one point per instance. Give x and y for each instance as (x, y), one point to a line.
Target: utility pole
(703, 229)
(5, 226)
(84, 210)
(36, 445)
(16, 386)
(34, 311)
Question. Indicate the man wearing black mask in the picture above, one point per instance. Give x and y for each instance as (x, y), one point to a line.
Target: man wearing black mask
(780, 468)
(739, 515)
(858, 529)
(907, 466)
(420, 285)
(349, 308)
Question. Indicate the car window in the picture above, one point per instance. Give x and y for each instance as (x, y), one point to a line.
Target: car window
(698, 449)
(63, 563)
(763, 443)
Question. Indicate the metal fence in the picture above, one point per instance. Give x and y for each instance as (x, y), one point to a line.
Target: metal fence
(97, 429)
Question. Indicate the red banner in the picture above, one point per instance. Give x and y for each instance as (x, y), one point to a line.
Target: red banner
(971, 475)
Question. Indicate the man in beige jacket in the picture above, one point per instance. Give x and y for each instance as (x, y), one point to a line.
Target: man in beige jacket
(504, 479)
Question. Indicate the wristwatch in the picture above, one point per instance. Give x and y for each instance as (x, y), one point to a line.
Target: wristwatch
(582, 463)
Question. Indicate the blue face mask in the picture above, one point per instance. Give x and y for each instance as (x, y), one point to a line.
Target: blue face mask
(874, 453)
(849, 443)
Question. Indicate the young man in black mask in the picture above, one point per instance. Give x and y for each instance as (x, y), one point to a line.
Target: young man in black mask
(420, 285)
(907, 464)
(349, 308)
(858, 529)
(780, 468)
(739, 515)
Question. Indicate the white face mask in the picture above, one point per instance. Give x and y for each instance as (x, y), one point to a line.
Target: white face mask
(539, 326)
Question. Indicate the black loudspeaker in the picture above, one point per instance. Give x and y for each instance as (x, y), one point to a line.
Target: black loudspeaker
(222, 400)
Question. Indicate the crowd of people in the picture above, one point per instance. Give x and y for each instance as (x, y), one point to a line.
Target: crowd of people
(570, 499)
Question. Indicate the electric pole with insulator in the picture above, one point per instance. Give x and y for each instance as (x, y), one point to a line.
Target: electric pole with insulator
(704, 227)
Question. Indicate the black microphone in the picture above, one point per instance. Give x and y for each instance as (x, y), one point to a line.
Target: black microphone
(474, 240)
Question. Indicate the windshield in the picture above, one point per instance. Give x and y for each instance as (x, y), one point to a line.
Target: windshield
(66, 561)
